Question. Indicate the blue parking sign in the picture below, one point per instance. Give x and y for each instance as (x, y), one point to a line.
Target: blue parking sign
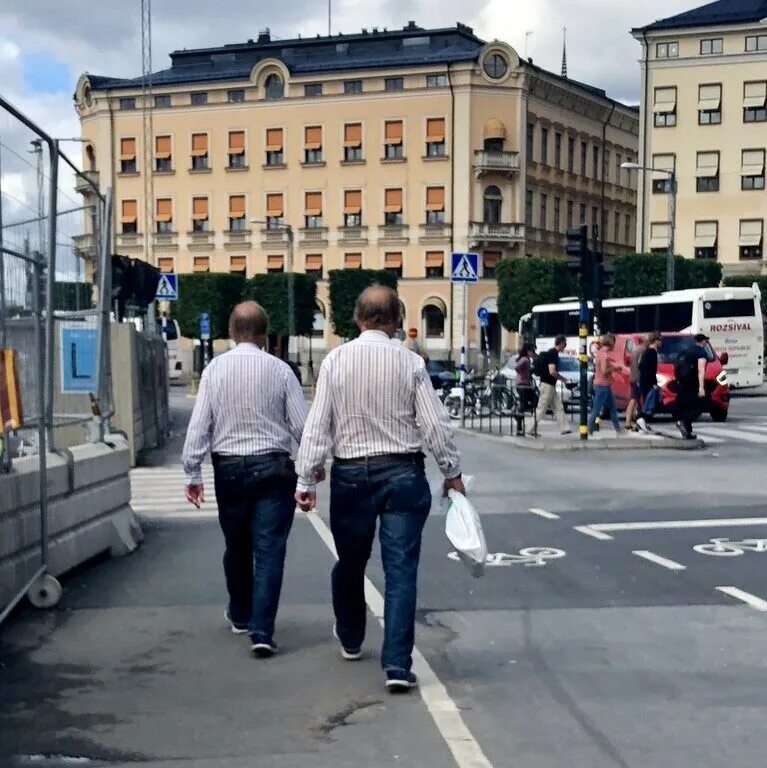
(79, 367)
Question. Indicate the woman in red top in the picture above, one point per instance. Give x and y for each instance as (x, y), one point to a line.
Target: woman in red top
(604, 369)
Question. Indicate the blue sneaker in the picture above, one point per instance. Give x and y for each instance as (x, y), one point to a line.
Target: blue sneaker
(400, 680)
(237, 627)
(262, 649)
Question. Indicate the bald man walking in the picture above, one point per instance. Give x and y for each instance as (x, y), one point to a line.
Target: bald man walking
(249, 408)
(375, 408)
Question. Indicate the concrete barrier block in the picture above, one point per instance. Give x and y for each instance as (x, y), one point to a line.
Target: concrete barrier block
(95, 462)
(21, 487)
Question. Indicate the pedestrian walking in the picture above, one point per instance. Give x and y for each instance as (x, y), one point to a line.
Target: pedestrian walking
(690, 375)
(604, 369)
(249, 408)
(546, 366)
(648, 381)
(374, 411)
(632, 408)
(523, 384)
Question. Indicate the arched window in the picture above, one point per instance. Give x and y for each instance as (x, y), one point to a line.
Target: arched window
(433, 319)
(274, 88)
(493, 202)
(318, 328)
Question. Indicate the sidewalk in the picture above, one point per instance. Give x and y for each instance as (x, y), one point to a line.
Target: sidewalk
(136, 665)
(665, 437)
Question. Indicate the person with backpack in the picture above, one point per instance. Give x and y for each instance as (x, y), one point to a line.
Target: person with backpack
(690, 375)
(546, 369)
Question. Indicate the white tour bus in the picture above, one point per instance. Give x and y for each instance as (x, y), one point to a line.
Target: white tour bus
(731, 317)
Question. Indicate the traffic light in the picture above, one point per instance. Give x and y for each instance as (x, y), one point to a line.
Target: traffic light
(580, 266)
(134, 282)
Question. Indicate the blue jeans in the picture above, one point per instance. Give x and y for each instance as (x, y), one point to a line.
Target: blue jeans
(255, 511)
(603, 396)
(398, 494)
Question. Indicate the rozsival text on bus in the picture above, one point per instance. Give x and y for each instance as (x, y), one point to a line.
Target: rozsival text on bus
(731, 317)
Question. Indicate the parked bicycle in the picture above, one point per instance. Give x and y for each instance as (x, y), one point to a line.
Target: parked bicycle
(481, 396)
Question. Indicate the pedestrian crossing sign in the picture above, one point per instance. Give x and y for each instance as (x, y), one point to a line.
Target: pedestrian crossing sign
(167, 288)
(465, 268)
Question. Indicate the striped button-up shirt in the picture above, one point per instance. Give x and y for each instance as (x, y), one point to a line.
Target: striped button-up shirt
(249, 403)
(374, 397)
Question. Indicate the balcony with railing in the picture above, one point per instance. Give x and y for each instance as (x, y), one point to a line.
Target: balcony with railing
(435, 233)
(237, 239)
(165, 241)
(200, 241)
(314, 236)
(274, 238)
(130, 241)
(86, 245)
(394, 233)
(482, 232)
(83, 181)
(353, 235)
(495, 161)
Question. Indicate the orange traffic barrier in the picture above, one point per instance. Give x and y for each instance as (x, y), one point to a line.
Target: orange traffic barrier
(11, 414)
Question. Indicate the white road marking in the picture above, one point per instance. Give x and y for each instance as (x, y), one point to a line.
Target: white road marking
(444, 711)
(733, 434)
(543, 513)
(589, 531)
(652, 525)
(746, 597)
(658, 560)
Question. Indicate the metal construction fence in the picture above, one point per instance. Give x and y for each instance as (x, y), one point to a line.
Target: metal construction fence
(55, 289)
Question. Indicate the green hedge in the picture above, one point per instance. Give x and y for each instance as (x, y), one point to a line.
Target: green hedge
(345, 286)
(746, 281)
(523, 283)
(210, 292)
(271, 292)
(644, 274)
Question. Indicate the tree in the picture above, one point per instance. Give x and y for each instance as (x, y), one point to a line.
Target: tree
(271, 292)
(523, 283)
(345, 286)
(644, 274)
(210, 292)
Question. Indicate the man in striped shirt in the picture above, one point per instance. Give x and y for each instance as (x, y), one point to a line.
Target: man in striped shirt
(249, 408)
(375, 408)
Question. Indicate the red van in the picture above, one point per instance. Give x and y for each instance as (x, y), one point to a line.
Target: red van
(674, 345)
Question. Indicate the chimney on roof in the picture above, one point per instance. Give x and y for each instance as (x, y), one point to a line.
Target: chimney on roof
(264, 35)
(375, 30)
(410, 25)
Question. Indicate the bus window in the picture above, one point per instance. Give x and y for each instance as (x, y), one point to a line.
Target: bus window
(729, 308)
(553, 323)
(623, 320)
(674, 317)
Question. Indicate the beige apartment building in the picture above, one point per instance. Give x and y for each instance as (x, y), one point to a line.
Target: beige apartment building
(383, 149)
(704, 94)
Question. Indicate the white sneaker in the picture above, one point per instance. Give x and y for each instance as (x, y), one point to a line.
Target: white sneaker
(642, 424)
(346, 653)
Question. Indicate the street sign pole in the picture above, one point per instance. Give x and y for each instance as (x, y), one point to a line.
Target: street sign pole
(583, 332)
(205, 338)
(464, 344)
(464, 269)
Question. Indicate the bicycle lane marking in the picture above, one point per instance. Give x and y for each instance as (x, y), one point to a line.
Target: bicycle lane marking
(543, 513)
(445, 713)
(745, 597)
(664, 562)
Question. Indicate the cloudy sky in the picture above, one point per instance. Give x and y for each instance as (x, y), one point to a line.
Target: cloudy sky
(46, 44)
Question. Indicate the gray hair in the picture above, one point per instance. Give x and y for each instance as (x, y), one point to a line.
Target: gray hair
(377, 307)
(248, 322)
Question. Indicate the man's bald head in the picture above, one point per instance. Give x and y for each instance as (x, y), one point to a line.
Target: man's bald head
(248, 323)
(377, 309)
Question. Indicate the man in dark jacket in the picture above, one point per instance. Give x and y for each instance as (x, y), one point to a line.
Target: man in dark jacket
(691, 385)
(648, 378)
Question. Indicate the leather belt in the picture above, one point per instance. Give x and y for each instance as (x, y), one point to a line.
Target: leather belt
(384, 458)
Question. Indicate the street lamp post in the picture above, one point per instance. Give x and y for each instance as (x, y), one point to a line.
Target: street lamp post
(288, 229)
(672, 189)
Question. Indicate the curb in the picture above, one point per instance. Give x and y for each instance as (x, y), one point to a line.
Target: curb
(609, 444)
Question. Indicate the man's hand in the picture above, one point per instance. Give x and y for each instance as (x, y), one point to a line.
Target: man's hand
(195, 494)
(306, 500)
(455, 484)
(319, 474)
(702, 392)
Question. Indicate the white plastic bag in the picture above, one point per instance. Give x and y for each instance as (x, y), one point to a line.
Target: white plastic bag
(463, 529)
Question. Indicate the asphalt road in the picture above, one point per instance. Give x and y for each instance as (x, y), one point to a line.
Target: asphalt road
(630, 648)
